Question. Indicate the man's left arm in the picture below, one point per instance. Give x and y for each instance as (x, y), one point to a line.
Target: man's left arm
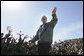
(54, 20)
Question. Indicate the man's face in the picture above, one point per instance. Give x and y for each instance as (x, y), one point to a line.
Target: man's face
(44, 19)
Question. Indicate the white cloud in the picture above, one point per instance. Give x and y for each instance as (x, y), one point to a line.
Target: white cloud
(65, 31)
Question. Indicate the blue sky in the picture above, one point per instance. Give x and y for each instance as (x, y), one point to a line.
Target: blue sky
(26, 16)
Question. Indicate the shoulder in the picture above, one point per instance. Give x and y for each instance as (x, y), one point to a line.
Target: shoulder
(41, 25)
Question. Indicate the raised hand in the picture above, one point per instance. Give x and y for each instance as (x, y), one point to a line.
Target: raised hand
(9, 29)
(54, 10)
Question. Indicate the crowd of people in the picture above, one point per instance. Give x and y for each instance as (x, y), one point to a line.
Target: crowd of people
(11, 47)
(68, 47)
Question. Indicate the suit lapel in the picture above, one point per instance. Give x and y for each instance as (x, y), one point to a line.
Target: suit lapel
(44, 27)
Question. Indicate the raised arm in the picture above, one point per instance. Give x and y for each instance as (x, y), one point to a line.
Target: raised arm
(54, 19)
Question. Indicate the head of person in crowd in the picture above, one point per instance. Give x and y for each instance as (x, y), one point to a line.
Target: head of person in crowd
(3, 40)
(2, 34)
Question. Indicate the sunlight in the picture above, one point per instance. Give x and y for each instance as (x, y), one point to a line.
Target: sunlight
(11, 4)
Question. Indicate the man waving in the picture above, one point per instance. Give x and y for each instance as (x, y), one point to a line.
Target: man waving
(44, 34)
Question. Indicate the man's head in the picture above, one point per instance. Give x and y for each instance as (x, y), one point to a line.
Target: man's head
(44, 19)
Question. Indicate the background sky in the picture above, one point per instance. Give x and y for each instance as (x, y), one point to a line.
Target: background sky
(26, 16)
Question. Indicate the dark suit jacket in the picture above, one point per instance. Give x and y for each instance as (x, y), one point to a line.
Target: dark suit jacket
(48, 34)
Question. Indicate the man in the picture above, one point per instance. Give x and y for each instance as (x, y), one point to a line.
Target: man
(45, 34)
